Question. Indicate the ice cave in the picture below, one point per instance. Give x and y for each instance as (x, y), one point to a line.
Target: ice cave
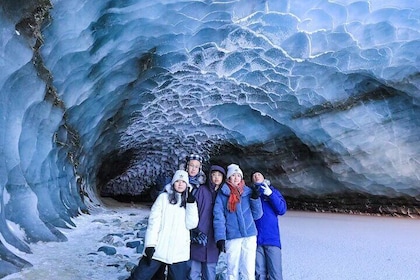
(106, 98)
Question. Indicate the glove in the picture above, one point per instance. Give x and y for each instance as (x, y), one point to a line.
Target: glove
(190, 196)
(149, 251)
(221, 246)
(255, 191)
(200, 238)
(266, 189)
(194, 233)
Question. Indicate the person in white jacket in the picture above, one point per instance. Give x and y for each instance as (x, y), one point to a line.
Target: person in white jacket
(167, 239)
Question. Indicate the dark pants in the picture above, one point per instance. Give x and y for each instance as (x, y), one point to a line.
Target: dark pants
(160, 274)
(145, 271)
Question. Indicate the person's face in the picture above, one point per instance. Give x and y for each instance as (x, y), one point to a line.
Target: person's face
(193, 167)
(235, 179)
(216, 178)
(180, 186)
(257, 177)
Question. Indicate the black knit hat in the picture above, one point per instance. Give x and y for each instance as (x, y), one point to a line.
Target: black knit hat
(252, 174)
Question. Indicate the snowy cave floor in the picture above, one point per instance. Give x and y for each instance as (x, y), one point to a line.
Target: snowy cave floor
(316, 246)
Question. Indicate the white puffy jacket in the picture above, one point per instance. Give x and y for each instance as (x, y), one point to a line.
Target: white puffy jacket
(169, 227)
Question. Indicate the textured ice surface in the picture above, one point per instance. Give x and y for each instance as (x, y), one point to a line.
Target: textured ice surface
(107, 98)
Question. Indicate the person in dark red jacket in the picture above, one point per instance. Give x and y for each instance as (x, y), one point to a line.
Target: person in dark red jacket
(204, 252)
(268, 260)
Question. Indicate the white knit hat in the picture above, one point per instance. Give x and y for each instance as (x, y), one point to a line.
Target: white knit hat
(233, 168)
(180, 175)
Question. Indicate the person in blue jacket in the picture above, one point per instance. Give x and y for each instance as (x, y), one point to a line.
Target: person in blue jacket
(268, 260)
(235, 209)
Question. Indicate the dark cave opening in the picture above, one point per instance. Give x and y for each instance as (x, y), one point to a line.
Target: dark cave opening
(113, 164)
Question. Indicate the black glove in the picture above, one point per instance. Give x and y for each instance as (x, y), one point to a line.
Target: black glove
(200, 238)
(190, 196)
(255, 191)
(194, 233)
(149, 251)
(221, 246)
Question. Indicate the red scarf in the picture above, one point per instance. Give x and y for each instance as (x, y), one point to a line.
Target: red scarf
(235, 195)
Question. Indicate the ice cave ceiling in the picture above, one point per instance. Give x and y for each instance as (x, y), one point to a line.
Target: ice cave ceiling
(106, 98)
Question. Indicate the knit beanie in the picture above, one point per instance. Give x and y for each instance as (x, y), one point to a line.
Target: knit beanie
(180, 175)
(233, 168)
(251, 178)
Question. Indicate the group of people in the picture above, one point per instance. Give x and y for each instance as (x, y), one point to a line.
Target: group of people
(191, 223)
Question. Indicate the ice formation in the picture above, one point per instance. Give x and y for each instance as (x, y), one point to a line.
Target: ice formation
(108, 97)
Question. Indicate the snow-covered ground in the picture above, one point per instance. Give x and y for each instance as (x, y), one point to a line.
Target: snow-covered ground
(321, 246)
(316, 246)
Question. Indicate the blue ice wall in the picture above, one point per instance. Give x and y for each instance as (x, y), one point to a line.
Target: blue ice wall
(108, 97)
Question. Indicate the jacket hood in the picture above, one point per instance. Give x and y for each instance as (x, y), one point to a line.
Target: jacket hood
(217, 168)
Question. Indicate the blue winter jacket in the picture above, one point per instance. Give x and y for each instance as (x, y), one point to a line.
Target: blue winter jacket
(267, 225)
(230, 225)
